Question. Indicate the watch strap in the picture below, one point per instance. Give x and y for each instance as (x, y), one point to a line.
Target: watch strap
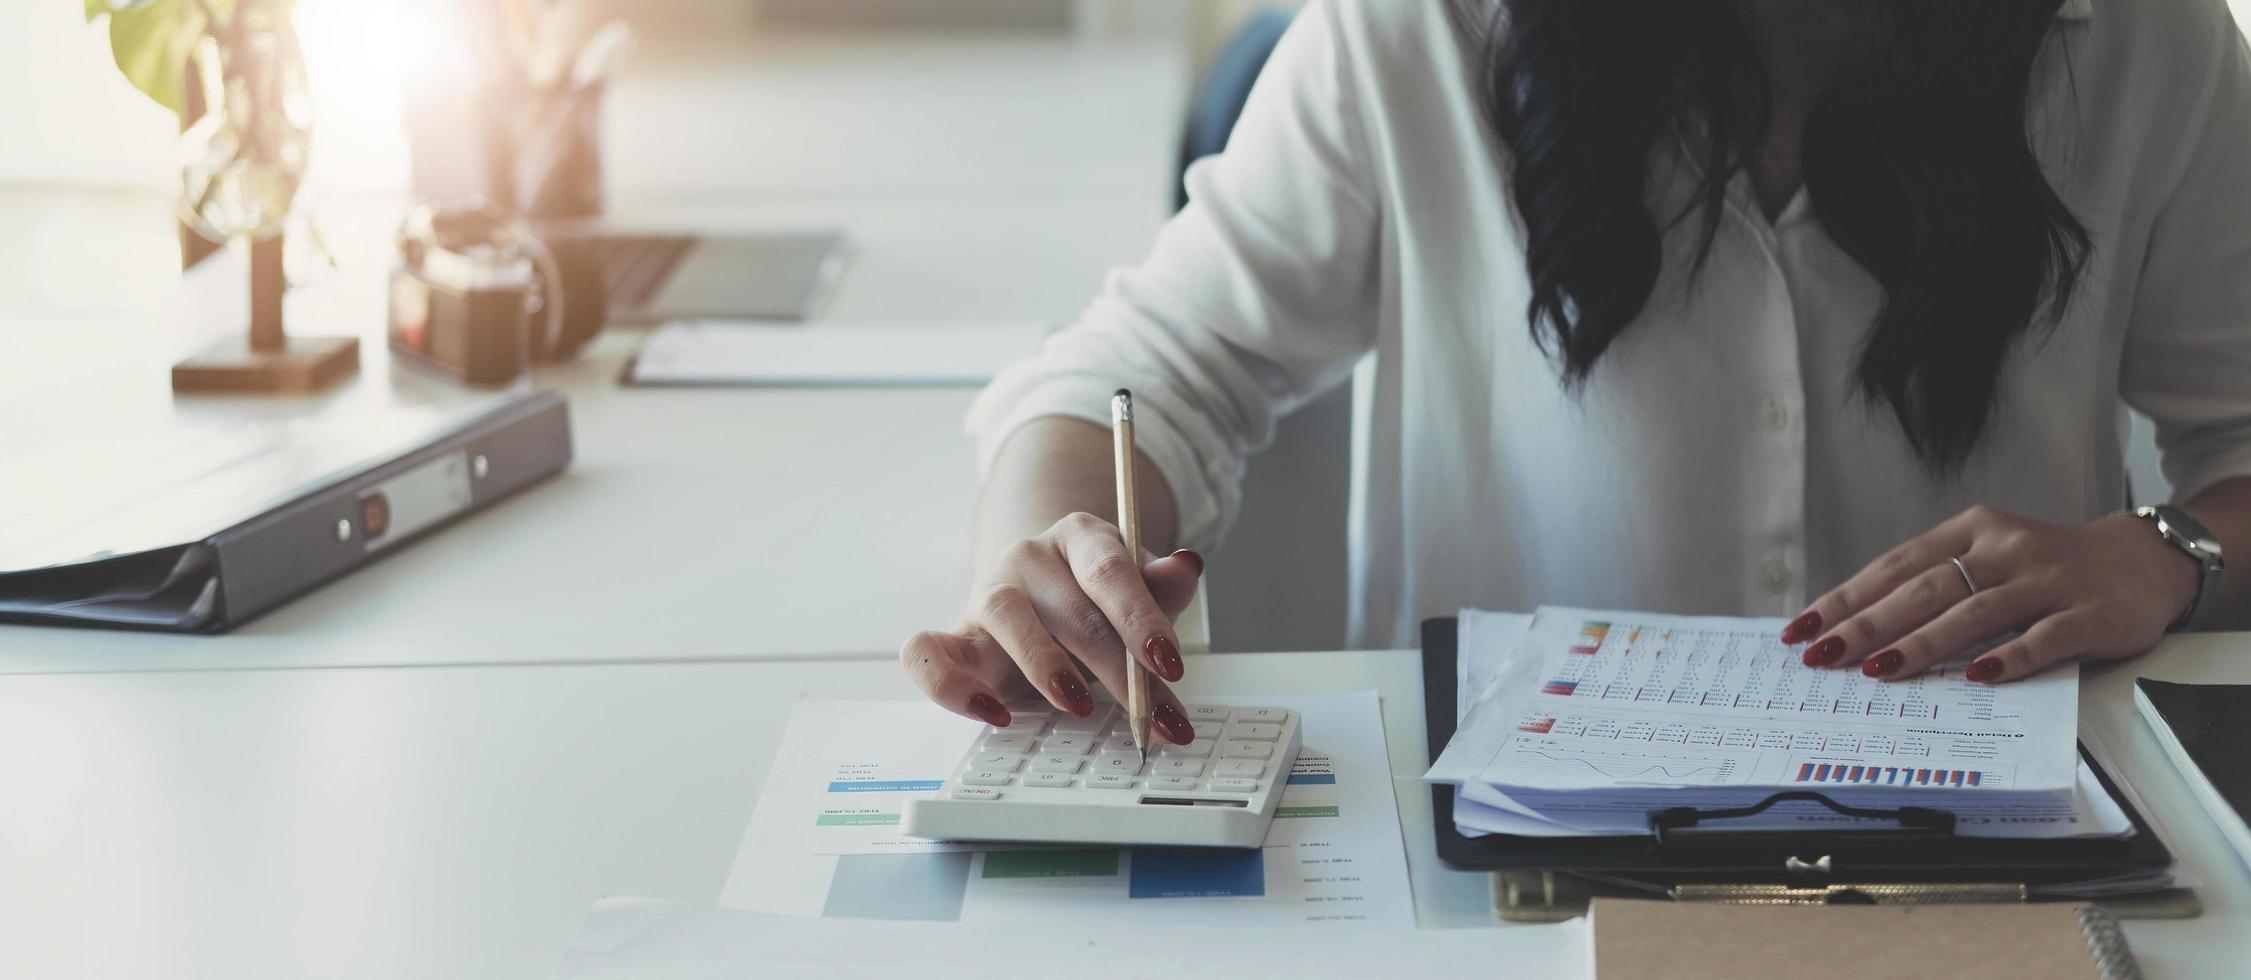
(2175, 527)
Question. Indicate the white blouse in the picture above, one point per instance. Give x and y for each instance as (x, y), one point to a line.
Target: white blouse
(1718, 460)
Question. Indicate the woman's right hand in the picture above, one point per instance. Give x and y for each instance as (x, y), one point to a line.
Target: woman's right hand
(1070, 593)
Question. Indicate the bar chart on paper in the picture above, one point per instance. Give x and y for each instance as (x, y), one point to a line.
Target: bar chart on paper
(1824, 772)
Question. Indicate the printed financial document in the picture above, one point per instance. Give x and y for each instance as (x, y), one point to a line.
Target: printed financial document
(1623, 713)
(824, 839)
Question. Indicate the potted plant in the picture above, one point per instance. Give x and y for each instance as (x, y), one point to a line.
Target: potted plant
(233, 71)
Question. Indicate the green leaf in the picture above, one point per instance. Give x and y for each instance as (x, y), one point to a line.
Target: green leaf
(96, 8)
(151, 42)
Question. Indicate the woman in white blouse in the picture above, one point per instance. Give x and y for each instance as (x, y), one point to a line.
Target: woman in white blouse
(1764, 307)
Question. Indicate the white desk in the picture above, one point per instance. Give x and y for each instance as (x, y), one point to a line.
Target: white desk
(692, 524)
(417, 822)
(1000, 185)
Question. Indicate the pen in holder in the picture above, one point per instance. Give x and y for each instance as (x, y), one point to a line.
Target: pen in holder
(559, 150)
(508, 111)
(559, 158)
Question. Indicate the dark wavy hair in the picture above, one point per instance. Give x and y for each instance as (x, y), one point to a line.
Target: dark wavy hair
(1916, 159)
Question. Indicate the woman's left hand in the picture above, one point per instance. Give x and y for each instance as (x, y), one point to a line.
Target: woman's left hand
(2108, 588)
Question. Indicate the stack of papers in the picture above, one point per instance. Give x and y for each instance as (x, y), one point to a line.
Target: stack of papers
(1578, 722)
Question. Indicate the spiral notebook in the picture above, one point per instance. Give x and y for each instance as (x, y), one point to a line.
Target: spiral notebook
(1692, 941)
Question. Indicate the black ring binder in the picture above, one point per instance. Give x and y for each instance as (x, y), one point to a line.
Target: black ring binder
(1912, 819)
(314, 533)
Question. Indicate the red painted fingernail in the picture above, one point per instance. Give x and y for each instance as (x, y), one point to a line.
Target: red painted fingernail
(1165, 656)
(1172, 724)
(1824, 653)
(1985, 669)
(1073, 693)
(985, 707)
(1803, 628)
(1884, 664)
(1191, 558)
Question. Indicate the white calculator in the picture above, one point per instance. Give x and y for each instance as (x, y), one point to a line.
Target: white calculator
(1053, 777)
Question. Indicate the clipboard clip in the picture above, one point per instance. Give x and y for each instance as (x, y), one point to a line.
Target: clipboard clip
(1915, 820)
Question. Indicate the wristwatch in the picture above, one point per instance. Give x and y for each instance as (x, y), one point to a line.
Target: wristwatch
(2183, 532)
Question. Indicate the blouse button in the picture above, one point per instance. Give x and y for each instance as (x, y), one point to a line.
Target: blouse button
(1777, 416)
(1777, 573)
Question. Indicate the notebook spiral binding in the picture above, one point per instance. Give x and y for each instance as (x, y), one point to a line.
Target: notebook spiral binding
(2106, 942)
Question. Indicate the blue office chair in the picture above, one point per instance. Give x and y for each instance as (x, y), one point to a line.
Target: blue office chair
(1212, 114)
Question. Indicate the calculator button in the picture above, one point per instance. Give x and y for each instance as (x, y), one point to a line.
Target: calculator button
(1254, 731)
(1120, 744)
(996, 761)
(1007, 742)
(1110, 780)
(1127, 764)
(976, 793)
(1175, 784)
(1199, 748)
(1246, 768)
(1078, 743)
(1176, 766)
(1207, 712)
(1264, 716)
(1233, 784)
(1245, 749)
(984, 777)
(1031, 709)
(1090, 724)
(1059, 763)
(1209, 729)
(1021, 725)
(1049, 780)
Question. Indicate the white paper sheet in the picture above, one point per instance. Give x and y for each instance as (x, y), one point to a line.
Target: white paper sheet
(641, 939)
(1333, 854)
(723, 352)
(845, 768)
(1491, 656)
(1481, 810)
(1634, 711)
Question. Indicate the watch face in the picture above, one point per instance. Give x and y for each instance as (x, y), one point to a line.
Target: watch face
(2179, 525)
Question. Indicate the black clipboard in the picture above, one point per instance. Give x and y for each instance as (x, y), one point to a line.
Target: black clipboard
(1843, 857)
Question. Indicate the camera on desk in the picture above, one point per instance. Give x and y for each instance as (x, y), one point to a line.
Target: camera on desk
(479, 297)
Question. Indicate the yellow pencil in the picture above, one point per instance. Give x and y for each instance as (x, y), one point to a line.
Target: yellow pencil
(1129, 526)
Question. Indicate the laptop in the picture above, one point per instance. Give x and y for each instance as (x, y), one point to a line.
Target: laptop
(782, 275)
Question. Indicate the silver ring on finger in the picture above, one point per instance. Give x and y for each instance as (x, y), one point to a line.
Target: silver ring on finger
(1965, 570)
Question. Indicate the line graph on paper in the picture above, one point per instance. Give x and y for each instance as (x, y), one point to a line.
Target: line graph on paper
(1580, 765)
